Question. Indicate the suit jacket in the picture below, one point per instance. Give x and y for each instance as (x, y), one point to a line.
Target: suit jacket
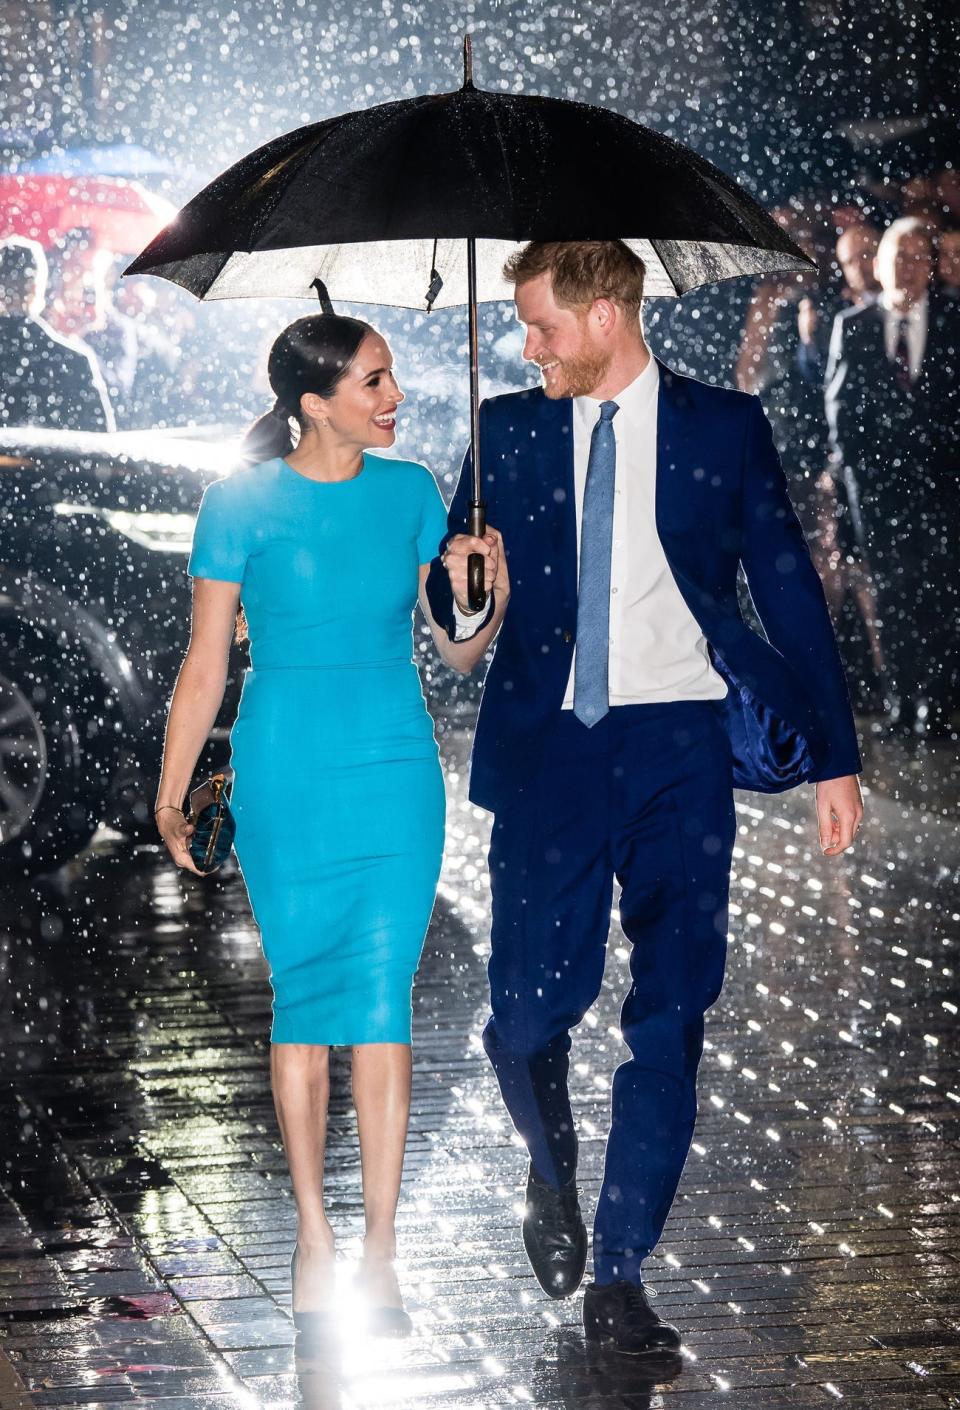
(46, 380)
(894, 446)
(721, 501)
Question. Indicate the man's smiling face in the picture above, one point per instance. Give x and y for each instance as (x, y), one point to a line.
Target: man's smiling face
(560, 341)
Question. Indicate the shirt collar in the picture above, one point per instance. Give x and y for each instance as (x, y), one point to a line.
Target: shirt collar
(634, 400)
(914, 315)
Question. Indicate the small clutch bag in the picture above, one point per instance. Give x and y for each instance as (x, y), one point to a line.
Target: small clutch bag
(214, 824)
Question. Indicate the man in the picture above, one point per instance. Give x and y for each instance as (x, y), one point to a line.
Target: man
(855, 253)
(625, 700)
(45, 380)
(892, 404)
(827, 528)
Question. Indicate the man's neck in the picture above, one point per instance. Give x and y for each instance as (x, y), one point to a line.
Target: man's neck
(625, 367)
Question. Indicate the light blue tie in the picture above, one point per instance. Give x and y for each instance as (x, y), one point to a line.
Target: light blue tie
(591, 697)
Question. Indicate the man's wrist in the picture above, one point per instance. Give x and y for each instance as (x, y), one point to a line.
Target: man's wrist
(468, 623)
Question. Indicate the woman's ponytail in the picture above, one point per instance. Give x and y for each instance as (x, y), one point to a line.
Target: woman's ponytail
(269, 437)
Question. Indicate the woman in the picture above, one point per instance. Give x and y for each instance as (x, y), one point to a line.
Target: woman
(338, 792)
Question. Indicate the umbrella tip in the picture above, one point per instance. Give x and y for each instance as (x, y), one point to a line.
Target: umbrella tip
(467, 61)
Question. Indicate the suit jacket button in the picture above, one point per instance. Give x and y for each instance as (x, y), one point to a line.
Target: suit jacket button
(568, 636)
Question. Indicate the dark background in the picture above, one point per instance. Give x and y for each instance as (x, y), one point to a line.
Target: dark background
(816, 102)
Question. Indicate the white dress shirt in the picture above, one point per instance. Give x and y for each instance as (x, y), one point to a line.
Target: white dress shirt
(657, 650)
(916, 321)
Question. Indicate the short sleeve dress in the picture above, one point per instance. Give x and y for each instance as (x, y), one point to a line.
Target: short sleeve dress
(338, 791)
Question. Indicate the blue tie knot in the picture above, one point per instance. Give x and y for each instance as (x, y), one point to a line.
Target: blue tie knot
(608, 410)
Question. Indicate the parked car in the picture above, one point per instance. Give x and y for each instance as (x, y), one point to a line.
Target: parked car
(95, 530)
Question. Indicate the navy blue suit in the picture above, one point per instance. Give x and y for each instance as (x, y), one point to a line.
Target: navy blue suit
(646, 795)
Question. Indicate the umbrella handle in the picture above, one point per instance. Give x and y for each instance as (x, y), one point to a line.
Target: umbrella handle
(477, 526)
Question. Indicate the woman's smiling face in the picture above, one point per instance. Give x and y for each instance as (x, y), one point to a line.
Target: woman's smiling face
(362, 408)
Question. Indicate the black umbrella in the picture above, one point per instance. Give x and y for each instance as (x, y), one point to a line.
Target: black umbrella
(387, 205)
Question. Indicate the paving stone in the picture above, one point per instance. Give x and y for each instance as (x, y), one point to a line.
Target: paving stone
(812, 1255)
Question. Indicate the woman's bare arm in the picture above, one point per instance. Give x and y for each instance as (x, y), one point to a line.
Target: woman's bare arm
(197, 698)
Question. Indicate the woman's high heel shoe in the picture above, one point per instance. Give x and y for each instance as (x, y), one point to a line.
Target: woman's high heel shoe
(315, 1330)
(385, 1321)
(389, 1322)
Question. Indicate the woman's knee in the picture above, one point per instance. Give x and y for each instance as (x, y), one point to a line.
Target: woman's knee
(308, 1063)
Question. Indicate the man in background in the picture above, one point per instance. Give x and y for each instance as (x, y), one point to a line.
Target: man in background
(855, 255)
(45, 379)
(892, 404)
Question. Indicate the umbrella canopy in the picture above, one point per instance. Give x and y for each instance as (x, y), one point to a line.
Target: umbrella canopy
(120, 214)
(418, 202)
(373, 202)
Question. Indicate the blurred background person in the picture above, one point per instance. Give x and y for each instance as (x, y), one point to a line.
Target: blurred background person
(948, 264)
(111, 335)
(70, 290)
(892, 409)
(919, 197)
(138, 358)
(854, 255)
(45, 379)
(766, 364)
(946, 185)
(853, 284)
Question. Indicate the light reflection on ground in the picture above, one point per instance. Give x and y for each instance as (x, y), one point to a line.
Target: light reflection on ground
(811, 1256)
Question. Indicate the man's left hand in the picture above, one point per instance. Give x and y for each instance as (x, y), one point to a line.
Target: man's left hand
(839, 813)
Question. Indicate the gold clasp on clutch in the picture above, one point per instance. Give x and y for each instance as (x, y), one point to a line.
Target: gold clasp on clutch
(212, 844)
(216, 783)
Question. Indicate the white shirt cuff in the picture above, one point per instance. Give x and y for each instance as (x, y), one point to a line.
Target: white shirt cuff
(467, 624)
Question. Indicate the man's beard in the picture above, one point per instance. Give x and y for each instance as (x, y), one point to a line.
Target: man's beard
(577, 376)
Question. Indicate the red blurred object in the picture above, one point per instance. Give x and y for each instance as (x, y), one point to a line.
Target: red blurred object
(122, 215)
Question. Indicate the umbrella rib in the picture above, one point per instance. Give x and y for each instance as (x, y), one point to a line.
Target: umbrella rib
(506, 159)
(655, 246)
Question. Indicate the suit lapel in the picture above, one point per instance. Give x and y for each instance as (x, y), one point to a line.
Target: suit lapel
(556, 479)
(674, 448)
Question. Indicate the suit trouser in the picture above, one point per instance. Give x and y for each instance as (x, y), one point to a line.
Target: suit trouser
(644, 796)
(913, 560)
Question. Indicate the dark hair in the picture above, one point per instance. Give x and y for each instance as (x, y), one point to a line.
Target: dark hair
(581, 271)
(311, 355)
(23, 266)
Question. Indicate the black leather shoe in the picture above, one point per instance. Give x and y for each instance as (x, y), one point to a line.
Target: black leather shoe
(554, 1236)
(622, 1313)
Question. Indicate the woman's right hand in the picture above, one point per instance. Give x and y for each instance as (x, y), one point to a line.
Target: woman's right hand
(176, 833)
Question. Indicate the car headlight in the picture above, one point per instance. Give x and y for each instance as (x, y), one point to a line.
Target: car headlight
(164, 533)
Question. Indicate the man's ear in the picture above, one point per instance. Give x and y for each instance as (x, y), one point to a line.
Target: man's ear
(605, 312)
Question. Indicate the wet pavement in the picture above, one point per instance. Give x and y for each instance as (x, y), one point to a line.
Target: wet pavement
(812, 1256)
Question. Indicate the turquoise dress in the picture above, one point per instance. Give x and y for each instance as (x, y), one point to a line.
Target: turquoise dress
(338, 791)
